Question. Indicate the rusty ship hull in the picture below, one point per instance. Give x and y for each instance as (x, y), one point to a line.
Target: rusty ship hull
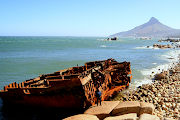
(73, 87)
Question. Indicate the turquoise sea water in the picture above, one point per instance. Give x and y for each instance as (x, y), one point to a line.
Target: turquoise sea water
(22, 58)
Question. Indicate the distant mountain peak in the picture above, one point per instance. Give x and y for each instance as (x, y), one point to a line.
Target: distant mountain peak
(153, 20)
(153, 28)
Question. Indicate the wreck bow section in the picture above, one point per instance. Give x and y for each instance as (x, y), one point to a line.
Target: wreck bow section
(73, 87)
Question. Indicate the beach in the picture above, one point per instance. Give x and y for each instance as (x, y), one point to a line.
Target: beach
(163, 93)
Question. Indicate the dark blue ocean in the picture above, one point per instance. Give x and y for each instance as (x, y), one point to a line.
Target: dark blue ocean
(22, 58)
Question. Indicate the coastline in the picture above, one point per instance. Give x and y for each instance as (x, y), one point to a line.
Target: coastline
(163, 93)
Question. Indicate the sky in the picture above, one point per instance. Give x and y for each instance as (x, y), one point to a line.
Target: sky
(83, 17)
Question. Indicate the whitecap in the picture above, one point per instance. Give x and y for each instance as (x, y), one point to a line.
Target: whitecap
(140, 82)
(172, 57)
(144, 47)
(103, 46)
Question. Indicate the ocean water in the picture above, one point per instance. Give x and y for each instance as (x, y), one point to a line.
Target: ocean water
(22, 58)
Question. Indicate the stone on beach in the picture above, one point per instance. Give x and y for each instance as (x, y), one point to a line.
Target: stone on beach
(146, 116)
(103, 110)
(130, 116)
(82, 117)
(146, 108)
(167, 119)
(127, 107)
(160, 76)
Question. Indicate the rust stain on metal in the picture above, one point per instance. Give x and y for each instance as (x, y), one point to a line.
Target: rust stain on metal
(73, 87)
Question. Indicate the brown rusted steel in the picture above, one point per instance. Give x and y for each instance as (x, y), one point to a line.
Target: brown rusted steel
(73, 87)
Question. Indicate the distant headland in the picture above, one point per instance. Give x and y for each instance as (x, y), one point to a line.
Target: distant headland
(153, 28)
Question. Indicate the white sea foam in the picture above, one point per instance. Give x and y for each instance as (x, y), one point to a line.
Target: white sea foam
(103, 46)
(119, 40)
(144, 47)
(155, 70)
(140, 82)
(172, 57)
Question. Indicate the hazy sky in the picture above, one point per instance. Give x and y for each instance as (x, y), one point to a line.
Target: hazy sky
(82, 17)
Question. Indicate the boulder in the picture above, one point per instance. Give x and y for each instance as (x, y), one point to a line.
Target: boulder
(160, 76)
(130, 116)
(169, 46)
(127, 107)
(102, 111)
(160, 46)
(148, 117)
(82, 117)
(146, 108)
(154, 45)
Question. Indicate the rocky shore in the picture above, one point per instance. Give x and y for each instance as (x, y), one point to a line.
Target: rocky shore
(169, 40)
(163, 93)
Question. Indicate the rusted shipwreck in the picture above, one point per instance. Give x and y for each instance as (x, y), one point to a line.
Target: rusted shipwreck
(73, 87)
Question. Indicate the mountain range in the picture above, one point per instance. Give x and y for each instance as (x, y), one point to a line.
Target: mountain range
(153, 28)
